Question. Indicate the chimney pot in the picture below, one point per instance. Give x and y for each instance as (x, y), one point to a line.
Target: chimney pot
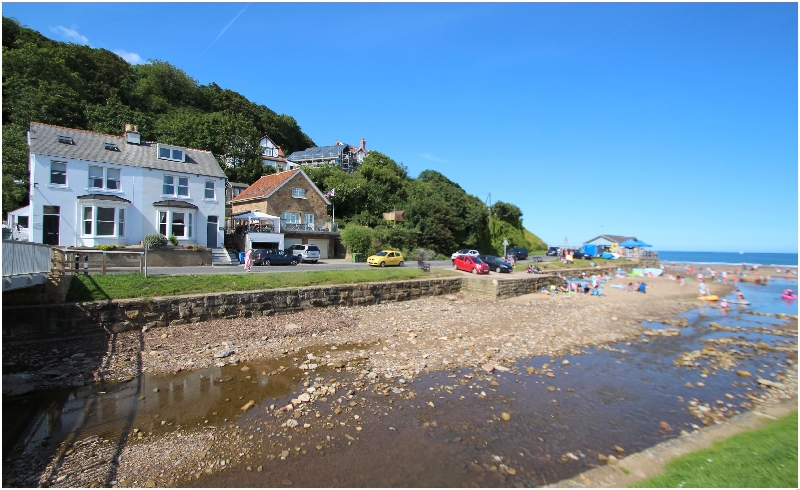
(363, 144)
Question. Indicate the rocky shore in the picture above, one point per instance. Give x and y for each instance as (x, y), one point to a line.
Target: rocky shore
(378, 349)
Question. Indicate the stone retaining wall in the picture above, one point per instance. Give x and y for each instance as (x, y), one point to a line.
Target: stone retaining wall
(22, 323)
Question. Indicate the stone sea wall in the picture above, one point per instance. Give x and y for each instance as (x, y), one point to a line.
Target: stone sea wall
(41, 322)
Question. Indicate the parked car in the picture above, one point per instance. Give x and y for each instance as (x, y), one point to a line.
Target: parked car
(386, 257)
(265, 256)
(305, 252)
(553, 251)
(465, 251)
(496, 263)
(470, 263)
(580, 254)
(520, 253)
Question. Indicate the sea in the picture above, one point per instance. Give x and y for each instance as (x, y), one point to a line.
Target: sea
(731, 258)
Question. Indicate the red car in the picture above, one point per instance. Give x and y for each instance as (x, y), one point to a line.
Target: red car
(470, 264)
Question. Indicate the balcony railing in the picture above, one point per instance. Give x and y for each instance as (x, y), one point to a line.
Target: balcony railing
(308, 227)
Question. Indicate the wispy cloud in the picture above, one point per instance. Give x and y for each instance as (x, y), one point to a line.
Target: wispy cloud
(428, 156)
(226, 27)
(71, 34)
(132, 58)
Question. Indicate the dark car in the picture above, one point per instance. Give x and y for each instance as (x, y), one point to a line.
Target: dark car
(579, 254)
(496, 263)
(553, 251)
(265, 256)
(519, 253)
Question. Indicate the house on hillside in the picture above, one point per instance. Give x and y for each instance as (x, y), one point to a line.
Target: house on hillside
(272, 154)
(348, 157)
(300, 205)
(89, 189)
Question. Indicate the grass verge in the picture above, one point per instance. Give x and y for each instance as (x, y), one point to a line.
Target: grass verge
(765, 457)
(120, 286)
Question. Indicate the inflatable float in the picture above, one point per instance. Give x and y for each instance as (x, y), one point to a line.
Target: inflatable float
(738, 302)
(788, 294)
(709, 297)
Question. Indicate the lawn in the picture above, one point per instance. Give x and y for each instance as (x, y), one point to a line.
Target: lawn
(766, 457)
(120, 286)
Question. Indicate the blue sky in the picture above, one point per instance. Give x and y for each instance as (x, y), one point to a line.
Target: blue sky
(673, 122)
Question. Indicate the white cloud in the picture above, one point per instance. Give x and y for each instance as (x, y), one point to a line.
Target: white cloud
(428, 156)
(71, 34)
(132, 58)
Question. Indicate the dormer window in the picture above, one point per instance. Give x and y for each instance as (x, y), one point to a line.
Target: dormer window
(169, 153)
(111, 146)
(67, 140)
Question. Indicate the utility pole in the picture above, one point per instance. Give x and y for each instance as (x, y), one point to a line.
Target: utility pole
(489, 205)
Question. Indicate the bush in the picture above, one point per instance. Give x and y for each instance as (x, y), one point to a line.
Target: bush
(154, 240)
(107, 247)
(422, 254)
(173, 240)
(358, 239)
(442, 257)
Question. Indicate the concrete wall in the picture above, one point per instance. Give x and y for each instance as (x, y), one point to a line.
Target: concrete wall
(72, 319)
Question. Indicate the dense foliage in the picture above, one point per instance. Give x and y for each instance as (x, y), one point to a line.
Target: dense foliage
(94, 89)
(439, 214)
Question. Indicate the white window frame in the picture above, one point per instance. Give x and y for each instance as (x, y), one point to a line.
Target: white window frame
(213, 190)
(310, 219)
(166, 222)
(286, 215)
(298, 193)
(65, 173)
(171, 153)
(176, 186)
(104, 178)
(90, 216)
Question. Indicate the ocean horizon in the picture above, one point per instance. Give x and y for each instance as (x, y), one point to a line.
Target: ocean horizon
(731, 258)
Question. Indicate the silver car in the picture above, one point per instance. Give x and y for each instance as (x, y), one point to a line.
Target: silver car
(307, 253)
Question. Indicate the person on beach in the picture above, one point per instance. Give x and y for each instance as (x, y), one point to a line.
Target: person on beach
(724, 277)
(248, 260)
(739, 295)
(703, 289)
(642, 287)
(700, 277)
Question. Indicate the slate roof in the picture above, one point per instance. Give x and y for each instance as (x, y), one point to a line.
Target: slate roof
(268, 184)
(90, 147)
(612, 238)
(103, 197)
(174, 204)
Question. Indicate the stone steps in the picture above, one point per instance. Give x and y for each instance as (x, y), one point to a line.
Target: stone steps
(223, 256)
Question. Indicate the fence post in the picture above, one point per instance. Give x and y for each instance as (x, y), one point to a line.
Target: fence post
(141, 263)
(103, 264)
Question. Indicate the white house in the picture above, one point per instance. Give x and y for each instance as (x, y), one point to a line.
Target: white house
(90, 189)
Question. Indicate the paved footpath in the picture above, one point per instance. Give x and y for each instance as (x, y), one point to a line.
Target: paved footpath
(651, 462)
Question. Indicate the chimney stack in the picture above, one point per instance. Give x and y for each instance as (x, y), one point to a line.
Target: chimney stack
(337, 143)
(363, 144)
(132, 136)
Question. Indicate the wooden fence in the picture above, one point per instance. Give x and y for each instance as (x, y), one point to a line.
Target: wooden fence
(76, 261)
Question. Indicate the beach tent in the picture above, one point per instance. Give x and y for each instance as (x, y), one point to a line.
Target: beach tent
(633, 243)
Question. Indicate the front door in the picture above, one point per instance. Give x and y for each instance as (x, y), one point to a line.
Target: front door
(211, 232)
(51, 224)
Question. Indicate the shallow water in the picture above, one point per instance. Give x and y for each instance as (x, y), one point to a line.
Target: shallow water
(617, 395)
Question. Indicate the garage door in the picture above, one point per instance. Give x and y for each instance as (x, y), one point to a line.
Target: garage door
(288, 242)
(323, 247)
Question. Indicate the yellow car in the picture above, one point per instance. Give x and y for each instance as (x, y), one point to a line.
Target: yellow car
(386, 257)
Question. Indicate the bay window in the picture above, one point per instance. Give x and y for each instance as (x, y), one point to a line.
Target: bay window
(101, 220)
(178, 222)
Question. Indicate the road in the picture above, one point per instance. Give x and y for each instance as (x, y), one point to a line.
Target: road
(325, 264)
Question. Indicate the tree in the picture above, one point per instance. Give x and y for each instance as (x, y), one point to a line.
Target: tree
(507, 212)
